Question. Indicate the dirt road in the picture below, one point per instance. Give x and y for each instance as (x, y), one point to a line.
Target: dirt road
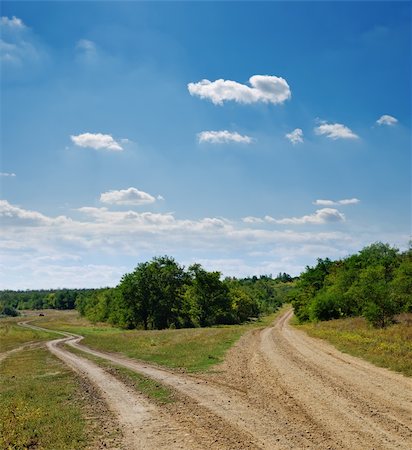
(280, 389)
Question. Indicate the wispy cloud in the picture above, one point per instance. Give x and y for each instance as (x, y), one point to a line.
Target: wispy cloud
(335, 131)
(223, 137)
(86, 51)
(387, 120)
(13, 22)
(97, 141)
(321, 216)
(18, 45)
(263, 88)
(346, 201)
(7, 174)
(130, 196)
(295, 136)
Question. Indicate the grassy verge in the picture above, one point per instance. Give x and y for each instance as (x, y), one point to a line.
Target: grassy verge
(13, 335)
(389, 347)
(148, 387)
(194, 349)
(39, 407)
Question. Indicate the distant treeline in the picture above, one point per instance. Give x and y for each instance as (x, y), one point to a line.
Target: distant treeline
(41, 299)
(375, 283)
(161, 294)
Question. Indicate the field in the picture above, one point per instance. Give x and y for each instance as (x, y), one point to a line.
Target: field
(194, 349)
(389, 347)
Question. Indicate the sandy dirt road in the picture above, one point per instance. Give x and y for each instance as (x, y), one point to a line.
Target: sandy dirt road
(280, 389)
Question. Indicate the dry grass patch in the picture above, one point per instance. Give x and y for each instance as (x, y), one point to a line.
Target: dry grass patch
(12, 335)
(389, 347)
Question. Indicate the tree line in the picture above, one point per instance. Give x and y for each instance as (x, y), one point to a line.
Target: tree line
(375, 283)
(161, 294)
(12, 301)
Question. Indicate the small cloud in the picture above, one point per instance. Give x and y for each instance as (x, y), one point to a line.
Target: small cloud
(7, 174)
(251, 220)
(223, 137)
(346, 201)
(19, 47)
(335, 131)
(86, 45)
(263, 88)
(295, 136)
(125, 141)
(13, 22)
(97, 141)
(321, 216)
(160, 197)
(86, 51)
(387, 120)
(130, 196)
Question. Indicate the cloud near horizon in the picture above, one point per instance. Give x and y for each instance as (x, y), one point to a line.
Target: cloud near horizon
(320, 216)
(97, 141)
(346, 201)
(335, 131)
(7, 174)
(263, 88)
(43, 246)
(130, 196)
(223, 137)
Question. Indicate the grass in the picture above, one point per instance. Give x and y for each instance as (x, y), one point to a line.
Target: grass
(194, 349)
(148, 387)
(389, 347)
(39, 405)
(13, 335)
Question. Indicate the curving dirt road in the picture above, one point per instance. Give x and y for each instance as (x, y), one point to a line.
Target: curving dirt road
(280, 389)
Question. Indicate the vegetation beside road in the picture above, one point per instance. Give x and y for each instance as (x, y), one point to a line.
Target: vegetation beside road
(389, 347)
(192, 349)
(39, 403)
(375, 283)
(12, 335)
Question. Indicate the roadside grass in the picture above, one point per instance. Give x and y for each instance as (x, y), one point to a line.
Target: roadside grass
(148, 387)
(39, 405)
(13, 335)
(191, 349)
(389, 347)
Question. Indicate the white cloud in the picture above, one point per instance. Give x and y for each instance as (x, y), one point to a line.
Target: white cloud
(335, 131)
(295, 136)
(251, 219)
(346, 201)
(85, 250)
(14, 215)
(98, 141)
(86, 45)
(387, 120)
(321, 216)
(264, 88)
(86, 51)
(130, 196)
(223, 137)
(7, 174)
(14, 22)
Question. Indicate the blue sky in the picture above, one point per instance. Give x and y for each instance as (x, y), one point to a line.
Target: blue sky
(113, 149)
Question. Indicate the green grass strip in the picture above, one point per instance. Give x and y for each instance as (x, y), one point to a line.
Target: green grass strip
(389, 347)
(39, 405)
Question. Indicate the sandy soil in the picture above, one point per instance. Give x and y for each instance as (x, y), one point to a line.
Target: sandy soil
(277, 389)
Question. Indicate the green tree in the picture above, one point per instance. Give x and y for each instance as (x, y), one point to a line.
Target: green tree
(211, 297)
